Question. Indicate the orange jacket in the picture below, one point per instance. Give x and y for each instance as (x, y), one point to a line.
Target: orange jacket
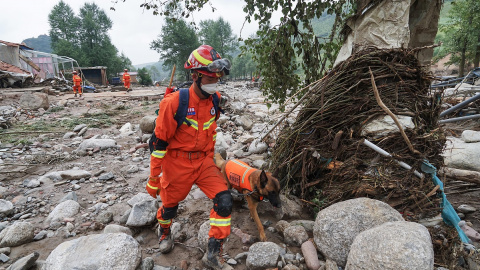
(200, 136)
(77, 80)
(237, 172)
(126, 77)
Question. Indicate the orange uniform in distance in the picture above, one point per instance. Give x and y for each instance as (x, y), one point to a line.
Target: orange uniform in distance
(77, 81)
(126, 80)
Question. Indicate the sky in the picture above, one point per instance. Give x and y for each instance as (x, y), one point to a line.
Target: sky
(133, 27)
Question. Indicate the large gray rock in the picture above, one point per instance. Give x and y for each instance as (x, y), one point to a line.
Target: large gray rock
(143, 213)
(295, 235)
(34, 101)
(25, 263)
(63, 210)
(244, 121)
(75, 174)
(6, 207)
(97, 143)
(147, 123)
(203, 234)
(257, 147)
(471, 136)
(397, 245)
(263, 255)
(17, 234)
(337, 225)
(140, 197)
(461, 155)
(384, 125)
(114, 228)
(98, 251)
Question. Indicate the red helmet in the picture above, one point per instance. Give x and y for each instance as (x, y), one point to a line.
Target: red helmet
(74, 72)
(208, 62)
(125, 70)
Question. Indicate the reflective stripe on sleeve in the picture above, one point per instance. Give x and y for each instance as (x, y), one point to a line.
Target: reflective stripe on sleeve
(207, 125)
(220, 222)
(159, 154)
(165, 222)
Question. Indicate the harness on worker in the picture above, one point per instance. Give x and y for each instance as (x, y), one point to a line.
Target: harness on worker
(182, 110)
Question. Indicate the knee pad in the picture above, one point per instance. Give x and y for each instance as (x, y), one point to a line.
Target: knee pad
(169, 212)
(222, 203)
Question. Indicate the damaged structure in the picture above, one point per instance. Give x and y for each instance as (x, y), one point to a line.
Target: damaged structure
(21, 65)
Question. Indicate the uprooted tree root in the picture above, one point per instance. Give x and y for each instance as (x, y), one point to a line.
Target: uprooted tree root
(321, 158)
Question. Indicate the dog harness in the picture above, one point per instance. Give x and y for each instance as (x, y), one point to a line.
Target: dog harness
(237, 172)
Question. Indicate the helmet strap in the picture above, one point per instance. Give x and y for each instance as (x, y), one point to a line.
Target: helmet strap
(199, 82)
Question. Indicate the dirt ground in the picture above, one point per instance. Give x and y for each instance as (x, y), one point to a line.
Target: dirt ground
(114, 109)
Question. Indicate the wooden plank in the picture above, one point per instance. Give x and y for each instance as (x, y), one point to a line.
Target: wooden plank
(28, 61)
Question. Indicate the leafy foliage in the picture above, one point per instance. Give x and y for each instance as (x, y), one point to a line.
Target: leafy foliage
(175, 43)
(144, 77)
(85, 38)
(218, 34)
(275, 49)
(461, 34)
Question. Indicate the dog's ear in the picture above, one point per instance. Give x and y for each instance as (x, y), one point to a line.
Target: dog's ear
(263, 180)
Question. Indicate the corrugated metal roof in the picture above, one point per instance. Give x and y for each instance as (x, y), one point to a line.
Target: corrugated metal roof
(11, 68)
(15, 44)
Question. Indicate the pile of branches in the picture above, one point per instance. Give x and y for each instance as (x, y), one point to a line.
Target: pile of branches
(321, 158)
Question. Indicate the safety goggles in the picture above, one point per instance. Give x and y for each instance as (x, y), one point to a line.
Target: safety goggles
(218, 66)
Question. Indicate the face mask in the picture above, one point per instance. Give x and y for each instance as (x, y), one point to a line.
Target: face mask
(210, 88)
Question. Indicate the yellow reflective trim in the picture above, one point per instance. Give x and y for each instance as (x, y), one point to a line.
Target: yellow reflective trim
(214, 137)
(159, 154)
(220, 222)
(243, 165)
(148, 185)
(200, 58)
(193, 123)
(164, 222)
(207, 125)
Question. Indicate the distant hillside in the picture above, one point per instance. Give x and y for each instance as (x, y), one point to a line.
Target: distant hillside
(41, 43)
(163, 74)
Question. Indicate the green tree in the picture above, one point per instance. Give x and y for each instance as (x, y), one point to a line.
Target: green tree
(277, 48)
(218, 34)
(175, 43)
(461, 34)
(64, 30)
(144, 77)
(155, 73)
(85, 38)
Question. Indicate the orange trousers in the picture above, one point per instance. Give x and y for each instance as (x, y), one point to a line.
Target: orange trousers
(77, 88)
(179, 175)
(126, 84)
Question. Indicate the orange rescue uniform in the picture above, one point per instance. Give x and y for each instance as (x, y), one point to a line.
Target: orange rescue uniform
(188, 158)
(126, 80)
(76, 84)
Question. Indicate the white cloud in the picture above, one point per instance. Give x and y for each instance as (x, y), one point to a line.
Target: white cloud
(133, 27)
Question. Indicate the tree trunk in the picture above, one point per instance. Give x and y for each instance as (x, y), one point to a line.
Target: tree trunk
(476, 60)
(461, 69)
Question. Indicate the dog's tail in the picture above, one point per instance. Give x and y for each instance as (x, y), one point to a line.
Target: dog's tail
(218, 160)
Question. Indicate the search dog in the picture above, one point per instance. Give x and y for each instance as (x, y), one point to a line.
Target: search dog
(254, 184)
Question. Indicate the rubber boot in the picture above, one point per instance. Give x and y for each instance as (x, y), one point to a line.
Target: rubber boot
(213, 257)
(75, 95)
(166, 240)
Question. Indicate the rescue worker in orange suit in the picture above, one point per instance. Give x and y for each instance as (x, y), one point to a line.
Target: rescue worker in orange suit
(184, 155)
(77, 81)
(126, 80)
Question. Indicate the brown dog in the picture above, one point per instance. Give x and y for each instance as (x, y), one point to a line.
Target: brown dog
(254, 184)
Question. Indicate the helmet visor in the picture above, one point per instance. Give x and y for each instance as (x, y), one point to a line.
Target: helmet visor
(219, 65)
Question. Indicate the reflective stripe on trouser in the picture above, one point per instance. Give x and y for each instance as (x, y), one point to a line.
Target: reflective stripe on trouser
(77, 88)
(219, 226)
(179, 175)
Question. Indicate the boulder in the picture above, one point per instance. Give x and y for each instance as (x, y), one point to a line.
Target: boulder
(25, 263)
(295, 235)
(461, 155)
(384, 125)
(143, 213)
(17, 234)
(6, 207)
(34, 101)
(147, 123)
(470, 136)
(63, 210)
(397, 245)
(263, 255)
(337, 225)
(97, 251)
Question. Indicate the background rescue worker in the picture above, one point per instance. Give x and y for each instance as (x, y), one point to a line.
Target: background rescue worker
(126, 80)
(77, 81)
(185, 154)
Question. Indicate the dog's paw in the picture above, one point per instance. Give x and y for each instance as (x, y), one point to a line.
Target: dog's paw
(263, 237)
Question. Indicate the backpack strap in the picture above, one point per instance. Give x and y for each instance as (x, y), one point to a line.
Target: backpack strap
(216, 101)
(181, 114)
